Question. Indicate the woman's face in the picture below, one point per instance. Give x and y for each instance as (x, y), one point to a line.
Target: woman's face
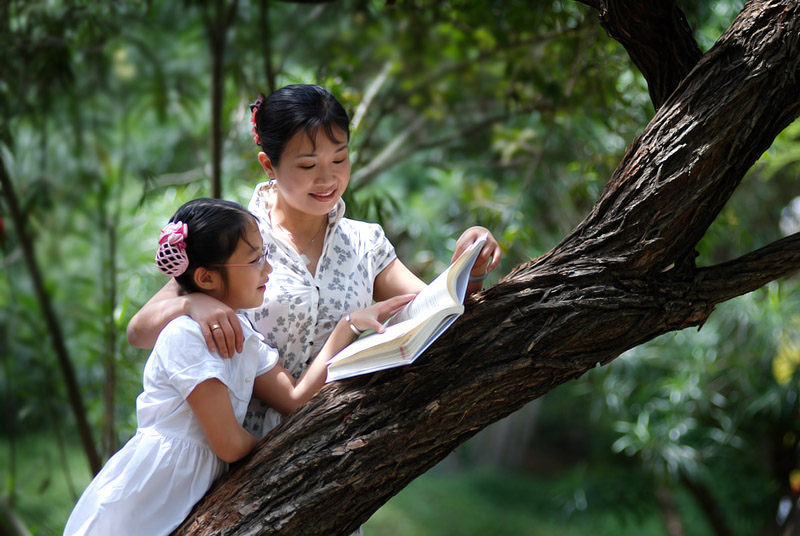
(312, 176)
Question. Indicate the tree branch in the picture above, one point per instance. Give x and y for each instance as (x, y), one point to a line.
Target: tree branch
(391, 154)
(657, 37)
(750, 272)
(678, 174)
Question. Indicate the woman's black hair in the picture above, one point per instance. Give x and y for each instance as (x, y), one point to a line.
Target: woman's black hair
(291, 108)
(215, 227)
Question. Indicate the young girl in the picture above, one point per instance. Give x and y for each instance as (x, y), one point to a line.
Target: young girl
(194, 401)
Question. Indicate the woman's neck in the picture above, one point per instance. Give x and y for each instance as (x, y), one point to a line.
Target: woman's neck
(299, 224)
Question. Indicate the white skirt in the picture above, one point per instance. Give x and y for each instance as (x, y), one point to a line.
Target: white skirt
(147, 488)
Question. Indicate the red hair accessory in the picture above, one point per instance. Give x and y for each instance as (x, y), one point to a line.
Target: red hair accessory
(254, 110)
(171, 256)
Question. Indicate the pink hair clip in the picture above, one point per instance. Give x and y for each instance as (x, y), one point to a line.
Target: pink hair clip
(254, 109)
(171, 256)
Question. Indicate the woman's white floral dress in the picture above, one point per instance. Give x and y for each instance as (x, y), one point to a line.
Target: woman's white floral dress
(301, 310)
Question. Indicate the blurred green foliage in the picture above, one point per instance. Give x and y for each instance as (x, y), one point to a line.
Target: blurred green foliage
(492, 113)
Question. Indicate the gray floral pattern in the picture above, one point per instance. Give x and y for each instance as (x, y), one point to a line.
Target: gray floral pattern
(301, 310)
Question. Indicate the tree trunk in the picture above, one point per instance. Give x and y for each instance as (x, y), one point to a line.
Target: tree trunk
(109, 356)
(53, 326)
(623, 276)
(217, 25)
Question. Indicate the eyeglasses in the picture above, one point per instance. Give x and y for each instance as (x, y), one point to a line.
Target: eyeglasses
(258, 263)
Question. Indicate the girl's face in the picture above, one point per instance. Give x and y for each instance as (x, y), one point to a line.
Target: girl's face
(248, 272)
(312, 176)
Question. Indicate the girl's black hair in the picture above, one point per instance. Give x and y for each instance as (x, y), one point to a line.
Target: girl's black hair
(215, 227)
(291, 108)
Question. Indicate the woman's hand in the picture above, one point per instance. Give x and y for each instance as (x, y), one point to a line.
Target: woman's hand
(220, 325)
(375, 315)
(487, 260)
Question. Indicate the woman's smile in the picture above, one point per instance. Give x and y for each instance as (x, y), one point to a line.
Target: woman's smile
(323, 196)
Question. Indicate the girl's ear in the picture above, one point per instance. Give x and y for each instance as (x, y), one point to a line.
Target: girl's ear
(266, 163)
(208, 280)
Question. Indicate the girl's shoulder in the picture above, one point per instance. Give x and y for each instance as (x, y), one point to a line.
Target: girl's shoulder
(187, 327)
(183, 327)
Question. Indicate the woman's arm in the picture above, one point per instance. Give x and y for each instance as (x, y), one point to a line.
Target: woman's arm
(487, 260)
(211, 404)
(395, 280)
(278, 389)
(170, 302)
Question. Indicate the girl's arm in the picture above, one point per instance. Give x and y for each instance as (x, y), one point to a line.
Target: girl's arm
(279, 390)
(211, 404)
(170, 302)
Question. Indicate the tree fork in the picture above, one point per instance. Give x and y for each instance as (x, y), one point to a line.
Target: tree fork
(624, 276)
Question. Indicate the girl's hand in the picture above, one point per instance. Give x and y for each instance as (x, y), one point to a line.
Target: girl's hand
(218, 322)
(487, 260)
(372, 317)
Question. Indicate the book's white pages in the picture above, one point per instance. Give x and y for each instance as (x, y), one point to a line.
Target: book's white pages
(412, 330)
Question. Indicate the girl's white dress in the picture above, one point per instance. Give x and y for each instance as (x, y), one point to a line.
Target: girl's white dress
(150, 485)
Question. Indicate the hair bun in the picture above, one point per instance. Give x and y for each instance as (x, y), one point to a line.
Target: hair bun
(171, 257)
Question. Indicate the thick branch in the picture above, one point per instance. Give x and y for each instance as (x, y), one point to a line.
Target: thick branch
(657, 37)
(680, 172)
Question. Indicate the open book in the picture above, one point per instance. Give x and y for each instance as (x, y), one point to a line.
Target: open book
(410, 331)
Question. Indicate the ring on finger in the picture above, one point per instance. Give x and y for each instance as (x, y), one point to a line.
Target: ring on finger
(215, 326)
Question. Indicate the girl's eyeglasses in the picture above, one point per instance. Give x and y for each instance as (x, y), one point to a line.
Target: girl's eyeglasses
(258, 263)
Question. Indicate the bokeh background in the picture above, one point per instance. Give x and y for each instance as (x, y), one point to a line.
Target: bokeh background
(505, 113)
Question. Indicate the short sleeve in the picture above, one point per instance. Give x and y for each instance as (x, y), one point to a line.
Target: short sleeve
(254, 342)
(268, 358)
(259, 202)
(382, 251)
(185, 357)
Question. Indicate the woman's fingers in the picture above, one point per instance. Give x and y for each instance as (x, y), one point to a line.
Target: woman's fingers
(224, 335)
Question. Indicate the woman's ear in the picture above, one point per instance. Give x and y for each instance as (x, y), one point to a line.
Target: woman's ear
(266, 163)
(208, 280)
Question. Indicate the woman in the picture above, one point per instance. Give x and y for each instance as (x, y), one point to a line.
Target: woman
(324, 264)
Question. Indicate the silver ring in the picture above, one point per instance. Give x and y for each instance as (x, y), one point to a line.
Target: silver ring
(215, 326)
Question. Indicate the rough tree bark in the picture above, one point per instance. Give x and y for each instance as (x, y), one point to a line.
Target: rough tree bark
(623, 276)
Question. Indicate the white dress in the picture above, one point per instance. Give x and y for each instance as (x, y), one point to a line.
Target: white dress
(300, 310)
(150, 485)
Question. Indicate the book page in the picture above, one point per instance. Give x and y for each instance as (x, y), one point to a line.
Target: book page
(447, 289)
(415, 327)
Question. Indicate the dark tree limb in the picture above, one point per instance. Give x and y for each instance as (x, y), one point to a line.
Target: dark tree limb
(657, 37)
(217, 25)
(625, 275)
(750, 272)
